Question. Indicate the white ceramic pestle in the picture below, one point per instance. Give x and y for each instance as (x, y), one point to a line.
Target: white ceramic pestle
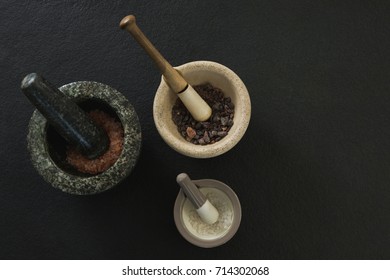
(206, 211)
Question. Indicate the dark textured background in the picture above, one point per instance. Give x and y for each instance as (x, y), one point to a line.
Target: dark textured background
(312, 172)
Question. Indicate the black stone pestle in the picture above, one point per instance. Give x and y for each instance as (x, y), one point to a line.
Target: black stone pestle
(67, 118)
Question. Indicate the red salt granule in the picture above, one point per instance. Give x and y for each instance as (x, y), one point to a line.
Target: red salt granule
(114, 132)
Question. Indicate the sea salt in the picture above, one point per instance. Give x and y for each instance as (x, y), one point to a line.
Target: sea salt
(226, 215)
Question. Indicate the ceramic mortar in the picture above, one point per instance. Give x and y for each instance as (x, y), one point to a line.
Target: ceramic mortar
(187, 226)
(196, 73)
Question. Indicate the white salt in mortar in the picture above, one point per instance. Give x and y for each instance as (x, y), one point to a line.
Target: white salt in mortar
(199, 233)
(200, 229)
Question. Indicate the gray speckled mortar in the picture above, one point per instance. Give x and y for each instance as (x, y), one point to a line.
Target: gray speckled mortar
(81, 184)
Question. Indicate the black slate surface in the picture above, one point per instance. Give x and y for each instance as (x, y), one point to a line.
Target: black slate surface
(312, 172)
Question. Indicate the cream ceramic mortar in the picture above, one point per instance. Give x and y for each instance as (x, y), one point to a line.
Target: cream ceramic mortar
(196, 73)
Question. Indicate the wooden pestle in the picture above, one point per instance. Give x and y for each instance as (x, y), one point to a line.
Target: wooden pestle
(67, 118)
(198, 108)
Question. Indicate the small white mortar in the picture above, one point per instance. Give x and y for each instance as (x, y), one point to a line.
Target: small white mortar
(196, 73)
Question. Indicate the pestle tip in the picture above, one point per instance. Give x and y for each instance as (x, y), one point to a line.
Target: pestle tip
(29, 79)
(195, 104)
(208, 213)
(181, 177)
(127, 22)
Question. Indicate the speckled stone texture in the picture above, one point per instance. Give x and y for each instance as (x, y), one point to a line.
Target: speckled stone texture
(76, 183)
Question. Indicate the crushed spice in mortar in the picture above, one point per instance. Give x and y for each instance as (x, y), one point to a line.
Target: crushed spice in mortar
(212, 130)
(115, 134)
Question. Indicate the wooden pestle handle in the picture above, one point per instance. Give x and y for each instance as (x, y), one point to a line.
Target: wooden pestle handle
(173, 78)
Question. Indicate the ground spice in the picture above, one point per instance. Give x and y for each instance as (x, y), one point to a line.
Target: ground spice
(221, 226)
(212, 130)
(114, 132)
